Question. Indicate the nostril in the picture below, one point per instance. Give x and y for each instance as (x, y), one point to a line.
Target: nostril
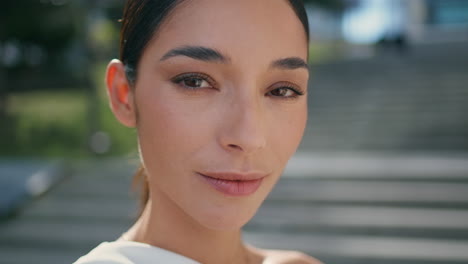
(234, 146)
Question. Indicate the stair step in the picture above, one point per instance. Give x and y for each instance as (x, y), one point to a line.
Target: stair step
(353, 247)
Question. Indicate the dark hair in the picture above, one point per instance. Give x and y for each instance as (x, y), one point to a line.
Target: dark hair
(141, 21)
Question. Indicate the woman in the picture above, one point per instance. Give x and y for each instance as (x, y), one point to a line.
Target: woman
(216, 90)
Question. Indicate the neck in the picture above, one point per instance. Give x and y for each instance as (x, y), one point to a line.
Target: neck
(163, 224)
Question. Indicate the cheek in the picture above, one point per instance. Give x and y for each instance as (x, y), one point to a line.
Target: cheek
(163, 115)
(168, 130)
(287, 130)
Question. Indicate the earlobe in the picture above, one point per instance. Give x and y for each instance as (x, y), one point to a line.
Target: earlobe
(120, 94)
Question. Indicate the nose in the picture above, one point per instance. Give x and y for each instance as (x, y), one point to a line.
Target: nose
(243, 127)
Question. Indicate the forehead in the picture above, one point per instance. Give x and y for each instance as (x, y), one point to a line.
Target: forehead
(264, 28)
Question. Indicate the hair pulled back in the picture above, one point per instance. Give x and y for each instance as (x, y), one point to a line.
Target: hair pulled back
(140, 22)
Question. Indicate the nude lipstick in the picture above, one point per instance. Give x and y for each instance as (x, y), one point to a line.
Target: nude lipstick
(233, 184)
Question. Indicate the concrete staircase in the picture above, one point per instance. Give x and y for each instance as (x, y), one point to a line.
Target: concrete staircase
(364, 209)
(393, 102)
(90, 206)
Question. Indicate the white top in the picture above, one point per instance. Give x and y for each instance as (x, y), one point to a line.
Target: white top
(130, 252)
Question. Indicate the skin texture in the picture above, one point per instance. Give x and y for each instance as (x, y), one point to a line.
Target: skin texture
(243, 118)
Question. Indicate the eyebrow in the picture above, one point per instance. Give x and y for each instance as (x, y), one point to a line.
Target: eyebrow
(197, 53)
(290, 63)
(212, 55)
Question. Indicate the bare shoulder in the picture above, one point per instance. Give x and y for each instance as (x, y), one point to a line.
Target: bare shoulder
(288, 257)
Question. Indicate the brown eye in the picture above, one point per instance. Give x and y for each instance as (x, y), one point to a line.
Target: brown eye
(285, 92)
(281, 92)
(192, 81)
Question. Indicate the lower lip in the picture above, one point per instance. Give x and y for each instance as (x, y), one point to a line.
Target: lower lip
(234, 188)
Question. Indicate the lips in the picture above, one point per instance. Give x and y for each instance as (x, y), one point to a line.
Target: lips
(234, 184)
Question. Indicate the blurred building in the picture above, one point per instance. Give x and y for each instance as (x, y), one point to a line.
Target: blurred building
(437, 20)
(371, 21)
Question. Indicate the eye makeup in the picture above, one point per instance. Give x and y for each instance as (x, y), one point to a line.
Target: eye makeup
(194, 81)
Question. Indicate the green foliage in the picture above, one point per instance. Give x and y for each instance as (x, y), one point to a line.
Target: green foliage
(46, 123)
(42, 23)
(54, 123)
(48, 109)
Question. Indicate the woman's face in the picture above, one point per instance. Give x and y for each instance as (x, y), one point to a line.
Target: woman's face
(219, 108)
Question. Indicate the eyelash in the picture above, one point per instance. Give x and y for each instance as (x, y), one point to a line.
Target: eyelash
(195, 75)
(297, 92)
(185, 76)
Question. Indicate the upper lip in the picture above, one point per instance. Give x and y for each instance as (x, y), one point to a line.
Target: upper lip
(235, 176)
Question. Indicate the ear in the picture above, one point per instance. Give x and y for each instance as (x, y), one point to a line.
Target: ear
(120, 94)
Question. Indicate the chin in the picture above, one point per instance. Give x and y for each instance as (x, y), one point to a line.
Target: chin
(217, 222)
(226, 217)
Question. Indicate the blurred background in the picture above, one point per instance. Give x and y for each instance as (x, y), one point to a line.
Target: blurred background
(381, 175)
